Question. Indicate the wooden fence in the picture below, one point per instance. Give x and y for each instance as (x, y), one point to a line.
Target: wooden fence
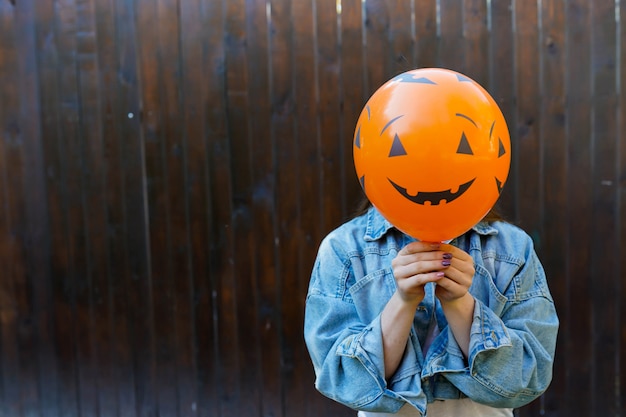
(168, 168)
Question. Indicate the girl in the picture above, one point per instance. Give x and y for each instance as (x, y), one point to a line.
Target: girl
(409, 328)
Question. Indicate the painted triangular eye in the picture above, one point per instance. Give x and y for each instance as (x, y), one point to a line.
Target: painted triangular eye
(464, 146)
(499, 185)
(396, 147)
(501, 151)
(357, 140)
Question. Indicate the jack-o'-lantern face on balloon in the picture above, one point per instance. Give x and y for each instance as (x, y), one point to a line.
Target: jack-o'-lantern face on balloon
(432, 152)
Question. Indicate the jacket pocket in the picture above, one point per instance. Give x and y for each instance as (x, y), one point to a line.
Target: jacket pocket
(371, 293)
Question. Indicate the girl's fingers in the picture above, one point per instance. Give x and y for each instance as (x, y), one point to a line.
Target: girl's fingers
(417, 268)
(420, 280)
(449, 285)
(419, 247)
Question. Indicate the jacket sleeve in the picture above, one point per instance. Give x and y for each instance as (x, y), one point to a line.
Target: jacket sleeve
(347, 354)
(512, 342)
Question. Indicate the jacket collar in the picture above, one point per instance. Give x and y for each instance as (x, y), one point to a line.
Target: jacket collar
(377, 226)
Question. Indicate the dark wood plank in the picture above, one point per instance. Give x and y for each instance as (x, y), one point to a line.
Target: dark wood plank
(240, 105)
(576, 320)
(228, 343)
(476, 37)
(94, 226)
(173, 347)
(426, 33)
(48, 99)
(133, 295)
(288, 197)
(221, 269)
(501, 83)
(328, 61)
(32, 288)
(193, 111)
(215, 383)
(525, 126)
(352, 83)
(113, 343)
(11, 213)
(377, 55)
(450, 29)
(401, 38)
(526, 161)
(68, 242)
(263, 147)
(306, 134)
(621, 199)
(129, 251)
(554, 250)
(604, 258)
(158, 34)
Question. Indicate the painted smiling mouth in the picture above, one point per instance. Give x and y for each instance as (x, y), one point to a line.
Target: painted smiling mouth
(434, 197)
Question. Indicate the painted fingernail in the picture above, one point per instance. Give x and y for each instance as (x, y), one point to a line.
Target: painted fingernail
(445, 263)
(447, 256)
(439, 274)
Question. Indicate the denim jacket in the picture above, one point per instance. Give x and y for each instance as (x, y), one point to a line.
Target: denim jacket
(512, 337)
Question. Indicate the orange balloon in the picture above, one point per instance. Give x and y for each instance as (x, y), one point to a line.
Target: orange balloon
(432, 152)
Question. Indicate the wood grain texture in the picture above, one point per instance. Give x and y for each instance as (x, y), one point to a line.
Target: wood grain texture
(168, 169)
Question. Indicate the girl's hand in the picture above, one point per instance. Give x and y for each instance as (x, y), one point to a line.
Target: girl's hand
(458, 275)
(419, 263)
(453, 293)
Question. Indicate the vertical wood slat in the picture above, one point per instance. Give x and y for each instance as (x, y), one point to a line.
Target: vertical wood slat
(31, 221)
(451, 48)
(525, 126)
(604, 257)
(501, 84)
(576, 321)
(11, 212)
(555, 170)
(353, 95)
(400, 55)
(105, 280)
(239, 107)
(186, 118)
(69, 158)
(48, 93)
(288, 194)
(133, 269)
(193, 109)
(136, 291)
(157, 87)
(182, 21)
(307, 134)
(621, 214)
(329, 106)
(476, 41)
(156, 214)
(168, 222)
(376, 44)
(426, 32)
(92, 167)
(264, 148)
(221, 365)
(112, 338)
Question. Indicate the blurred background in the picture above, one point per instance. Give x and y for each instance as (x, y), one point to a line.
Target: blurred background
(169, 167)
